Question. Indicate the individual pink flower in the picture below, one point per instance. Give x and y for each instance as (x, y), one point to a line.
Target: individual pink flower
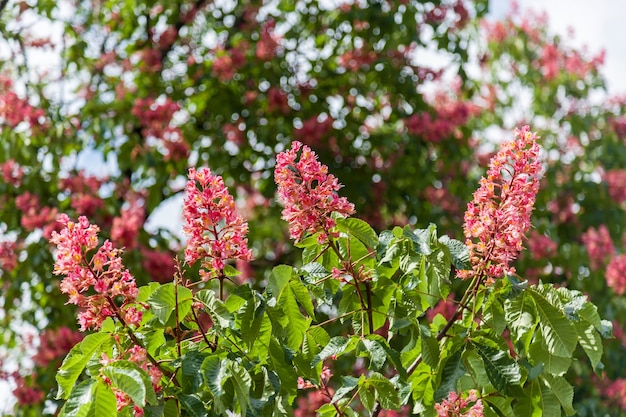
(217, 233)
(308, 193)
(458, 406)
(102, 275)
(498, 218)
(599, 246)
(616, 274)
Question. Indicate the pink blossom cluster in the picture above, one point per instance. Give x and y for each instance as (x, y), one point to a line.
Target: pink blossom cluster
(616, 392)
(498, 218)
(36, 216)
(357, 59)
(125, 228)
(541, 246)
(554, 60)
(26, 393)
(137, 355)
(449, 118)
(54, 344)
(84, 191)
(156, 120)
(234, 133)
(159, 265)
(8, 255)
(266, 47)
(616, 274)
(314, 129)
(277, 101)
(216, 231)
(599, 246)
(457, 406)
(103, 276)
(227, 61)
(443, 199)
(308, 193)
(12, 172)
(15, 110)
(616, 181)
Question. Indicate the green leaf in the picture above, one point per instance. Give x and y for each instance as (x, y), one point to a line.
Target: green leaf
(554, 365)
(336, 346)
(377, 353)
(430, 350)
(386, 393)
(79, 400)
(348, 384)
(193, 404)
(220, 315)
(127, 376)
(563, 391)
(302, 296)
(538, 402)
(242, 383)
(77, 359)
(104, 403)
(590, 341)
(191, 365)
(459, 252)
(502, 370)
(451, 372)
(520, 314)
(162, 302)
(214, 372)
(558, 332)
(359, 229)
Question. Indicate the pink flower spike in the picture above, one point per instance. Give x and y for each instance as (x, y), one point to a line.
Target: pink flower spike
(497, 219)
(101, 274)
(216, 232)
(308, 193)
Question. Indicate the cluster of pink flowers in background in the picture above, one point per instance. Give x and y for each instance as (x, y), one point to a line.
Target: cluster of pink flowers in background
(599, 246)
(54, 344)
(616, 182)
(84, 191)
(216, 231)
(308, 193)
(36, 216)
(541, 246)
(14, 109)
(103, 275)
(156, 119)
(498, 218)
(457, 406)
(615, 276)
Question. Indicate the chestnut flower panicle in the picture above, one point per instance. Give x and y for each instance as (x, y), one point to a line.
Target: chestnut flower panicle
(308, 192)
(94, 284)
(498, 218)
(216, 231)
